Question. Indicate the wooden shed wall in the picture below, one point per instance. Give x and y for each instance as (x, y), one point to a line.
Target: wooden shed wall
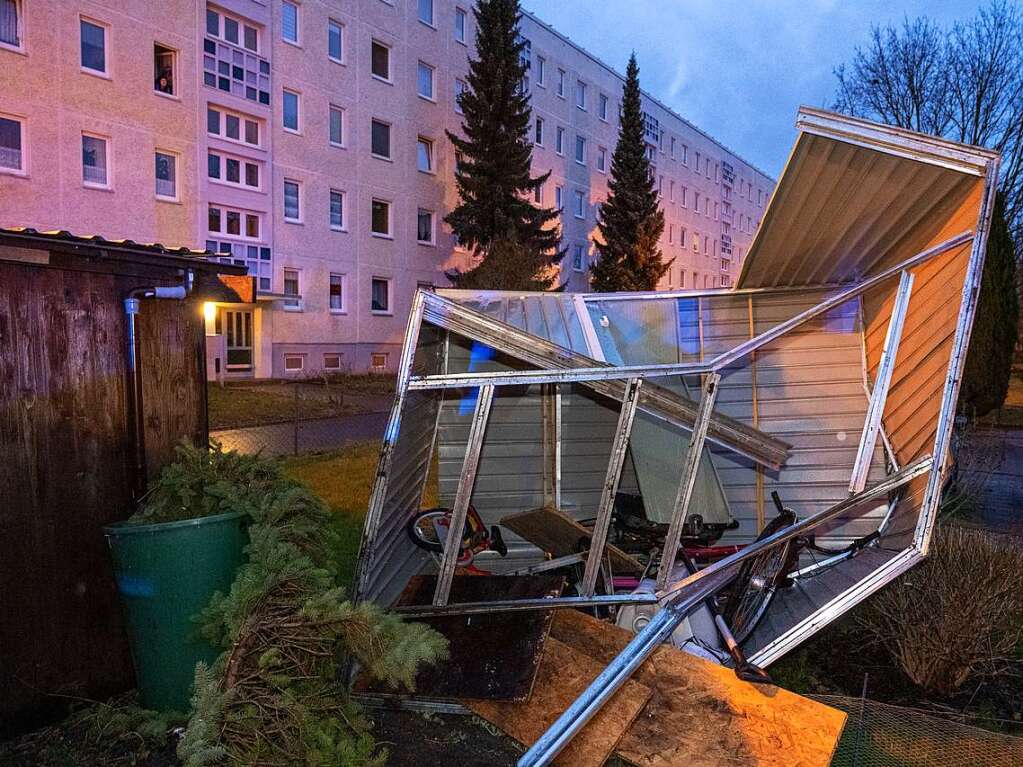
(65, 469)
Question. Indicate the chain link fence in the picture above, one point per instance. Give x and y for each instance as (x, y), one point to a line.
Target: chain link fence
(296, 417)
(880, 735)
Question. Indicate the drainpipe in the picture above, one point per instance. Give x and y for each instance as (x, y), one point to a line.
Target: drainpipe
(135, 413)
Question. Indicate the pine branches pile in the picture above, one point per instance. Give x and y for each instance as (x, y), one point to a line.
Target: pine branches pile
(275, 696)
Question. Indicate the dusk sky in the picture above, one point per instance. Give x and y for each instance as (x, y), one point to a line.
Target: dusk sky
(737, 69)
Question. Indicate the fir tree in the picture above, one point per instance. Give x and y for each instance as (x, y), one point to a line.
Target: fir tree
(630, 221)
(496, 218)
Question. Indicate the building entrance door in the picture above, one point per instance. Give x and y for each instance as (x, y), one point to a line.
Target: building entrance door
(236, 326)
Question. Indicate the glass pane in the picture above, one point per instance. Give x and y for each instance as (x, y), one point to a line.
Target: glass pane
(213, 121)
(93, 47)
(381, 139)
(233, 171)
(290, 110)
(380, 61)
(233, 127)
(252, 227)
(251, 132)
(10, 144)
(94, 160)
(230, 30)
(426, 11)
(334, 40)
(336, 124)
(379, 297)
(381, 213)
(425, 156)
(425, 226)
(425, 81)
(289, 22)
(212, 23)
(234, 222)
(251, 174)
(166, 177)
(213, 165)
(213, 222)
(251, 39)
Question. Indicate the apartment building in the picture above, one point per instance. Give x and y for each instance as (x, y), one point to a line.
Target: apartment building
(307, 140)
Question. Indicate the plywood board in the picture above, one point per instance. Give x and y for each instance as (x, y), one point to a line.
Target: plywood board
(560, 535)
(564, 674)
(701, 715)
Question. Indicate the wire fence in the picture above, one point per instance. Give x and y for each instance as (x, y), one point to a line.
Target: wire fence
(294, 417)
(880, 735)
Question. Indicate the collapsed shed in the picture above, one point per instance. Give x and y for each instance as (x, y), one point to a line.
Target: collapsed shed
(829, 375)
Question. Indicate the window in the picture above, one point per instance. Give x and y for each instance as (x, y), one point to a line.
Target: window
(381, 218)
(580, 150)
(335, 41)
(541, 71)
(337, 299)
(426, 11)
(682, 243)
(293, 363)
(378, 361)
(380, 296)
(601, 159)
(290, 115)
(292, 201)
(337, 210)
(292, 296)
(672, 147)
(424, 155)
(230, 67)
(94, 161)
(12, 157)
(671, 233)
(166, 176)
(538, 194)
(671, 190)
(424, 79)
(696, 167)
(561, 83)
(229, 126)
(602, 107)
(459, 90)
(229, 221)
(11, 33)
(685, 155)
(683, 200)
(460, 20)
(380, 139)
(331, 361)
(580, 94)
(538, 136)
(559, 193)
(337, 126)
(380, 61)
(164, 69)
(559, 141)
(580, 205)
(224, 169)
(424, 227)
(289, 22)
(251, 41)
(578, 258)
(94, 47)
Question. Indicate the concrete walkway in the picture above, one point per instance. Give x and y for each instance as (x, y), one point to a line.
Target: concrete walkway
(999, 484)
(303, 436)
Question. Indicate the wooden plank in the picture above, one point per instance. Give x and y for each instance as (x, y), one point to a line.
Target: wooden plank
(701, 715)
(560, 535)
(564, 674)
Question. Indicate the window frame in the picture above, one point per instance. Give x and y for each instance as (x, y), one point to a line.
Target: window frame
(108, 157)
(389, 79)
(104, 73)
(601, 160)
(19, 11)
(432, 242)
(330, 209)
(174, 157)
(293, 356)
(389, 311)
(331, 110)
(603, 102)
(389, 234)
(538, 124)
(460, 88)
(580, 251)
(332, 22)
(175, 58)
(420, 67)
(297, 130)
(297, 42)
(22, 123)
(340, 356)
(297, 219)
(223, 157)
(431, 156)
(389, 157)
(343, 282)
(580, 95)
(560, 87)
(298, 304)
(580, 149)
(541, 71)
(243, 119)
(461, 13)
(559, 141)
(579, 206)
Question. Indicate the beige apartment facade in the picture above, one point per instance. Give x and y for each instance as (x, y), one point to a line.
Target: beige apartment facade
(307, 140)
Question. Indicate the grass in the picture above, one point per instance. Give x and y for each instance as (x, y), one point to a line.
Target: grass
(343, 479)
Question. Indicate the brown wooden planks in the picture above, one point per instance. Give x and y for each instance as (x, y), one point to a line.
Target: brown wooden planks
(559, 535)
(701, 715)
(564, 674)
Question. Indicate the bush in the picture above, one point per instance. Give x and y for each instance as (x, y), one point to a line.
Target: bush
(957, 616)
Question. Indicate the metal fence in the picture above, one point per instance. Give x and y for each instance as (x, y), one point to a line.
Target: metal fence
(880, 735)
(295, 417)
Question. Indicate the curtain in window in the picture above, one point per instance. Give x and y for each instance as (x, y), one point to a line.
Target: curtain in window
(9, 22)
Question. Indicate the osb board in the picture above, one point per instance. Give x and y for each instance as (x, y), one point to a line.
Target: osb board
(564, 674)
(702, 715)
(559, 535)
(492, 657)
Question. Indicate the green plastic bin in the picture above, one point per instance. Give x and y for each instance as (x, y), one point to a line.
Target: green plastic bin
(166, 574)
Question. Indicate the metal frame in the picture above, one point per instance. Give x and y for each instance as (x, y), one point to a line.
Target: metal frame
(879, 396)
(619, 447)
(463, 495)
(687, 481)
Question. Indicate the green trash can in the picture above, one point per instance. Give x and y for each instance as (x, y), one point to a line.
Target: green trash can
(166, 574)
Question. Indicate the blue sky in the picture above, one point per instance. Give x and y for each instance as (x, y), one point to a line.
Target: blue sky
(738, 69)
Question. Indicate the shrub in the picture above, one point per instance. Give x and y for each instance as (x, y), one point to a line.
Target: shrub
(958, 615)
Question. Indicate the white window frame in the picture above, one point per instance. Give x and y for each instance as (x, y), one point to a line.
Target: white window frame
(175, 93)
(579, 207)
(390, 153)
(433, 227)
(430, 154)
(242, 161)
(420, 67)
(559, 141)
(580, 143)
(580, 95)
(331, 109)
(538, 124)
(541, 71)
(298, 194)
(432, 21)
(460, 87)
(389, 234)
(580, 251)
(559, 198)
(109, 156)
(343, 279)
(243, 213)
(383, 355)
(340, 357)
(297, 42)
(389, 311)
(344, 205)
(298, 305)
(298, 111)
(332, 22)
(390, 63)
(294, 356)
(560, 90)
(104, 73)
(19, 10)
(23, 134)
(602, 159)
(461, 13)
(602, 104)
(222, 135)
(176, 197)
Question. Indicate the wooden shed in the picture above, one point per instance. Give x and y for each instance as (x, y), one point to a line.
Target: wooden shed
(68, 457)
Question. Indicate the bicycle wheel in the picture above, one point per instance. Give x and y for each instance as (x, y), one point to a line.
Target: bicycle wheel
(758, 579)
(429, 528)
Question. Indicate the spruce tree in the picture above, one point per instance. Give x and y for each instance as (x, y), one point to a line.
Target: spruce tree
(630, 221)
(515, 242)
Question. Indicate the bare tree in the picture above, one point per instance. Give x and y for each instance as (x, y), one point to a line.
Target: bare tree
(965, 83)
